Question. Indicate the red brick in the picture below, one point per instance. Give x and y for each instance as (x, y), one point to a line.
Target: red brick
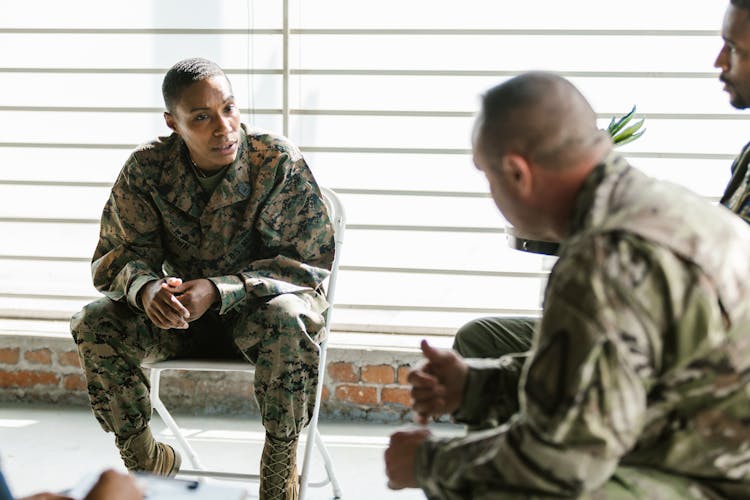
(326, 394)
(403, 373)
(343, 372)
(361, 395)
(69, 358)
(39, 357)
(74, 383)
(396, 395)
(378, 374)
(26, 378)
(9, 356)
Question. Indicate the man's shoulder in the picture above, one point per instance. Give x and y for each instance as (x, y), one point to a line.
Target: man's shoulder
(661, 211)
(669, 219)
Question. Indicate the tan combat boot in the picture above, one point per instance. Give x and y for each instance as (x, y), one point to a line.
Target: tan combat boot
(278, 470)
(142, 453)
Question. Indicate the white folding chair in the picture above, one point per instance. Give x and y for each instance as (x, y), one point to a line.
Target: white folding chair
(336, 212)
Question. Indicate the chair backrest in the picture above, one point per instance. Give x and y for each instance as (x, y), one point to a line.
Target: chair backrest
(338, 218)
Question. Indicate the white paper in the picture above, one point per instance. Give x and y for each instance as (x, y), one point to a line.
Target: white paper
(161, 488)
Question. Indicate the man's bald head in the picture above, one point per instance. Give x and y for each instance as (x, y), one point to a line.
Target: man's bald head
(540, 116)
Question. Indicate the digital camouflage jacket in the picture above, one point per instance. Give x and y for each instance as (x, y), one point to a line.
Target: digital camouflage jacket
(263, 231)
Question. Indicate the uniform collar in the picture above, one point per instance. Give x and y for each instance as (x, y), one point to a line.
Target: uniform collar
(178, 184)
(593, 199)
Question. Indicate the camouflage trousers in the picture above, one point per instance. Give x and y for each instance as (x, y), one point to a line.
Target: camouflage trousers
(279, 336)
(494, 337)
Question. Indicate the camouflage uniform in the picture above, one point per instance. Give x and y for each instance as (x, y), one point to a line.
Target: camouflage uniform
(737, 194)
(494, 337)
(263, 237)
(637, 381)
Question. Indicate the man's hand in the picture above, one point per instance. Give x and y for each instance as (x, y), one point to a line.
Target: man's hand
(400, 458)
(437, 383)
(115, 486)
(197, 296)
(162, 307)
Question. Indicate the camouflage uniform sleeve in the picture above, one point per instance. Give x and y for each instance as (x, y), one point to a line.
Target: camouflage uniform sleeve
(297, 237)
(736, 196)
(582, 397)
(495, 377)
(129, 252)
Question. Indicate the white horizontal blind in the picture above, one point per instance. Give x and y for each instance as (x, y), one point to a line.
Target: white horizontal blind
(79, 88)
(379, 95)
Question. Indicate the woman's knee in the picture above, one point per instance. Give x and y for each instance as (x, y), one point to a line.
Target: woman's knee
(282, 331)
(101, 316)
(288, 312)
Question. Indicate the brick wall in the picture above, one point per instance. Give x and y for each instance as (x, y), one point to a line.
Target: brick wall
(361, 384)
(37, 370)
(367, 388)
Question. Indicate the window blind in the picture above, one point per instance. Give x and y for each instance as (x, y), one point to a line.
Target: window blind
(380, 96)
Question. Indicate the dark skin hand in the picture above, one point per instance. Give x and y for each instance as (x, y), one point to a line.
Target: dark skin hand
(170, 303)
(197, 296)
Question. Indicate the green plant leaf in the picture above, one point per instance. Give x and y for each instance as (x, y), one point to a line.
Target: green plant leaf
(619, 124)
(626, 133)
(630, 139)
(622, 131)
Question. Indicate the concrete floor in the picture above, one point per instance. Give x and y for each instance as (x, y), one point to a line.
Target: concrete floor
(50, 448)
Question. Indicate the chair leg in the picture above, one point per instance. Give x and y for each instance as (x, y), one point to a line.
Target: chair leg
(157, 405)
(312, 428)
(313, 438)
(328, 465)
(305, 476)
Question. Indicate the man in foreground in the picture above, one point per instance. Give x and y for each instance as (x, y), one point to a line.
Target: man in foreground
(507, 336)
(214, 241)
(636, 384)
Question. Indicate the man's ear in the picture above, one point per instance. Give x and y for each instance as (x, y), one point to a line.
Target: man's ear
(520, 175)
(169, 119)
